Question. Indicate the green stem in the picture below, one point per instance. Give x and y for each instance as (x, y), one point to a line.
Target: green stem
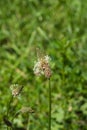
(49, 105)
(16, 114)
(8, 105)
(11, 128)
(7, 127)
(28, 125)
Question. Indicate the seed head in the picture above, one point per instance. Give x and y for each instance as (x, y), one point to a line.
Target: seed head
(27, 109)
(42, 67)
(16, 89)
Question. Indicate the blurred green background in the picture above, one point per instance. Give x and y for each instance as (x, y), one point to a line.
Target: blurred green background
(60, 28)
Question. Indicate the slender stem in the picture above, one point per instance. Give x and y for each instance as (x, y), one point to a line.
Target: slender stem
(7, 127)
(11, 128)
(49, 105)
(16, 114)
(8, 105)
(28, 125)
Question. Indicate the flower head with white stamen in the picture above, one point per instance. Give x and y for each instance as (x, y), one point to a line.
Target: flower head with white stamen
(42, 67)
(16, 89)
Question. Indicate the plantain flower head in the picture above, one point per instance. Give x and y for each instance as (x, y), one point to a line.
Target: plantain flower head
(16, 89)
(42, 67)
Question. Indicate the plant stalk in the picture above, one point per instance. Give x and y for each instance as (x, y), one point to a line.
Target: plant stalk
(28, 124)
(49, 105)
(8, 105)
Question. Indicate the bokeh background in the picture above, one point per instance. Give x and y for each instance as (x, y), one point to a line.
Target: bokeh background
(58, 27)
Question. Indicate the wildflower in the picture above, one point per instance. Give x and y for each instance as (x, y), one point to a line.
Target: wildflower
(16, 89)
(42, 67)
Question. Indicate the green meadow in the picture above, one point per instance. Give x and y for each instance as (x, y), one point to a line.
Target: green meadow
(59, 29)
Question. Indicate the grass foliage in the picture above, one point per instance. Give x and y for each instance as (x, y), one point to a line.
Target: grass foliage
(59, 27)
